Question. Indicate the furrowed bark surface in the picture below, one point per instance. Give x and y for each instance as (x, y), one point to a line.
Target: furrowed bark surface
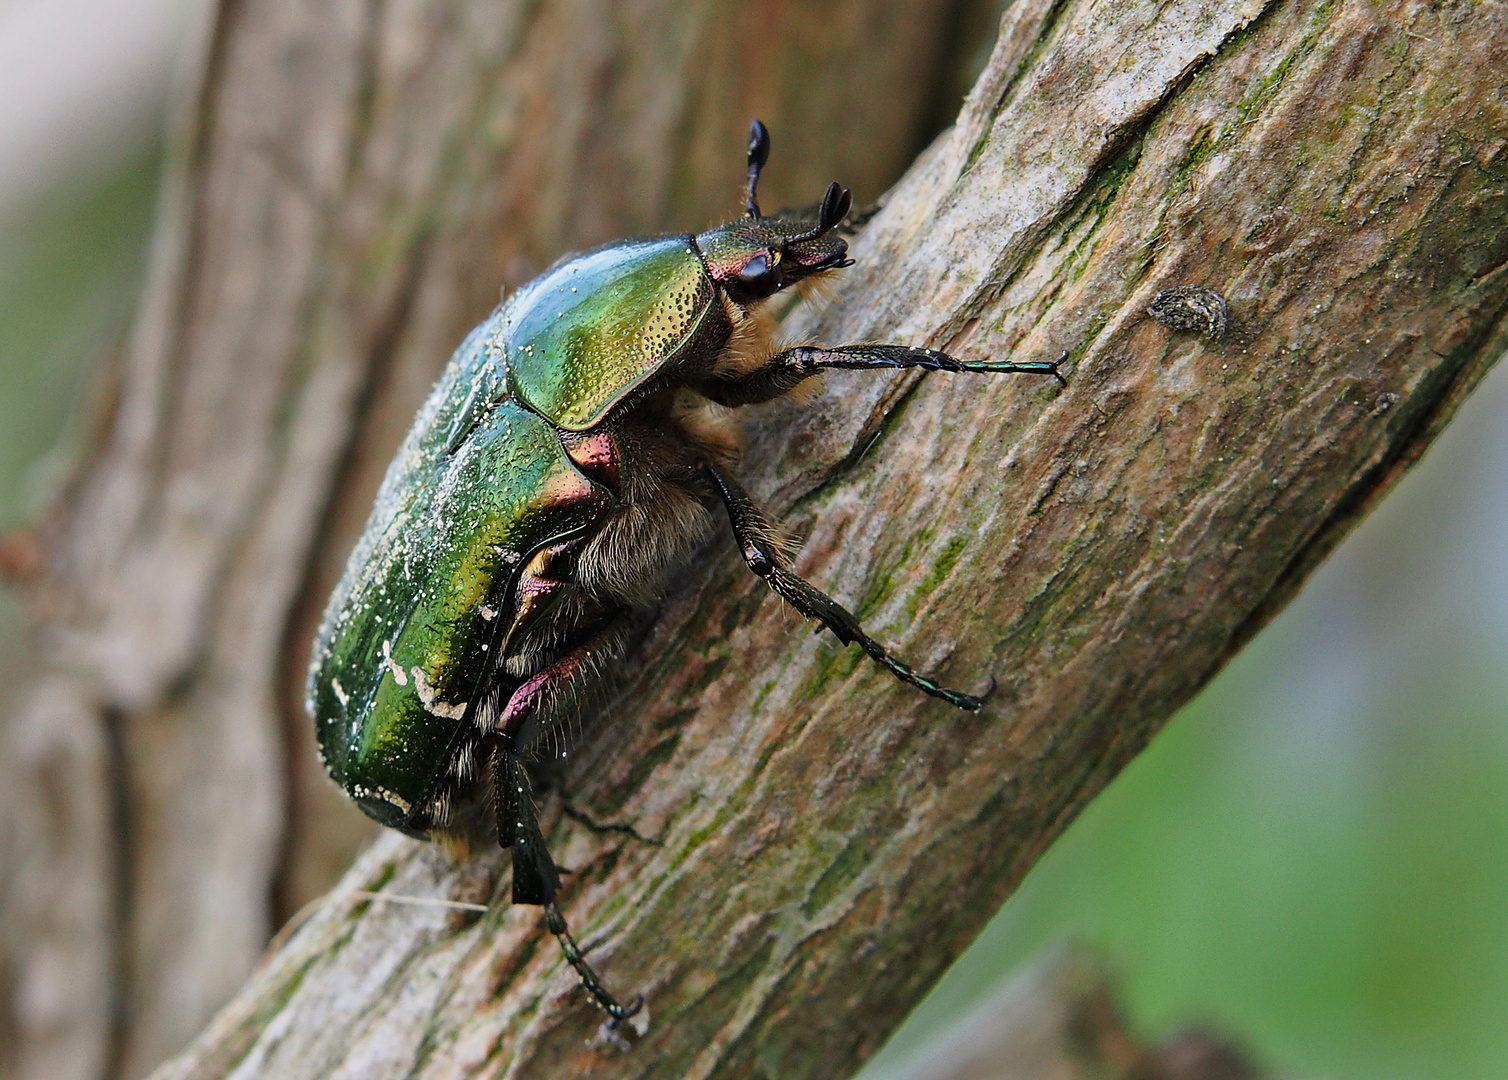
(798, 845)
(352, 181)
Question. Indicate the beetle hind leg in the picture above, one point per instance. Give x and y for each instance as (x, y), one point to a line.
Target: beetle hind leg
(756, 536)
(538, 708)
(536, 880)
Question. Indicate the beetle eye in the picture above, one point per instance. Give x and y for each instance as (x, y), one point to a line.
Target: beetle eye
(759, 278)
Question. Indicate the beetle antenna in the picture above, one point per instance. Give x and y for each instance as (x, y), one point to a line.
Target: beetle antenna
(759, 153)
(836, 202)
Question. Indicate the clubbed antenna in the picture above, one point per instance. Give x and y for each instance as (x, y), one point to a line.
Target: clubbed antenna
(836, 202)
(759, 153)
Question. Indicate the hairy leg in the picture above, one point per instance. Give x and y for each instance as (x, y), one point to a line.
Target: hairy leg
(535, 878)
(541, 703)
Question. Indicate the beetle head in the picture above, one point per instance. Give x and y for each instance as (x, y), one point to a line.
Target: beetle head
(755, 256)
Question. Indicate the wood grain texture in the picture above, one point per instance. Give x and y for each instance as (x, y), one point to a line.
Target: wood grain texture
(352, 181)
(812, 843)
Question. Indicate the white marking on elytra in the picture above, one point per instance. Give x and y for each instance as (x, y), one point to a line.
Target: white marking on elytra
(360, 790)
(431, 700)
(488, 613)
(387, 654)
(340, 694)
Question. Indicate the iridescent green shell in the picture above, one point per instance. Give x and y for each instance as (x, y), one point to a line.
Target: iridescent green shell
(482, 482)
(588, 333)
(404, 647)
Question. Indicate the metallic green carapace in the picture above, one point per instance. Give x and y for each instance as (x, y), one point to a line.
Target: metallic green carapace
(479, 485)
(590, 332)
(403, 649)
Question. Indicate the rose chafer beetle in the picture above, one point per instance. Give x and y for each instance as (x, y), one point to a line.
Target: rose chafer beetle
(564, 461)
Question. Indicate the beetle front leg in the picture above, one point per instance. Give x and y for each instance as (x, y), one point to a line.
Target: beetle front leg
(787, 370)
(758, 540)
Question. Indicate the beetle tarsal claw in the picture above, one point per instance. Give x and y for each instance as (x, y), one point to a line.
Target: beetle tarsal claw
(610, 1032)
(1056, 365)
(975, 702)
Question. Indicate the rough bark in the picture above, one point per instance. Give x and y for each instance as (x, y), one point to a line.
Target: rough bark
(798, 845)
(352, 181)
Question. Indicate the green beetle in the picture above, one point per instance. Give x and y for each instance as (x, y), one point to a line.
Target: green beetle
(561, 465)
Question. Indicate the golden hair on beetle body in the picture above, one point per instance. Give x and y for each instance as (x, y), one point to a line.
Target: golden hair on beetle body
(710, 427)
(755, 340)
(749, 345)
(819, 290)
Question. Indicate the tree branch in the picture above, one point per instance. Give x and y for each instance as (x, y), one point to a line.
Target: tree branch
(1058, 1018)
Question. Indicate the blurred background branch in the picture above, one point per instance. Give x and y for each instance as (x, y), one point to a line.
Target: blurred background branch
(1059, 1019)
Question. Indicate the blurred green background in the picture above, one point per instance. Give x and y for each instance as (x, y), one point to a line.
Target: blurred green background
(1312, 856)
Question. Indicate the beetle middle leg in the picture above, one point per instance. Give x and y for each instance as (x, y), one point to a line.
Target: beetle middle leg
(537, 707)
(787, 370)
(758, 540)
